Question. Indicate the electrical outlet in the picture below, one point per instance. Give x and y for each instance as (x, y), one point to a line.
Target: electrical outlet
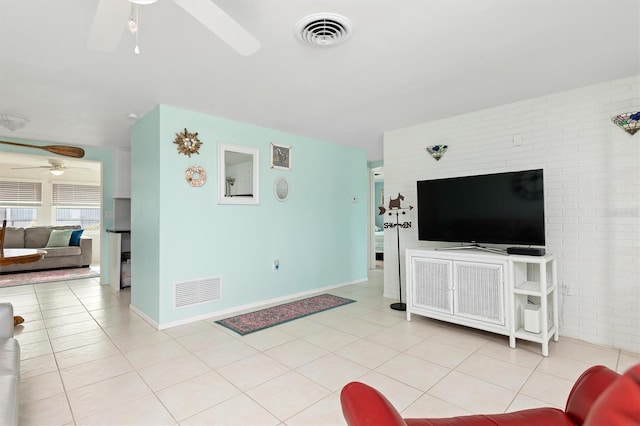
(566, 290)
(276, 265)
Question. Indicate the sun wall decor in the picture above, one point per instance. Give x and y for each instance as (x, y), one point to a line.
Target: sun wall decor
(188, 143)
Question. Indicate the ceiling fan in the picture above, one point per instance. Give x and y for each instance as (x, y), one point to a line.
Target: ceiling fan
(112, 15)
(56, 167)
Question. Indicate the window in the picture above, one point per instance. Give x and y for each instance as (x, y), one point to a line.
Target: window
(19, 202)
(19, 217)
(87, 218)
(77, 205)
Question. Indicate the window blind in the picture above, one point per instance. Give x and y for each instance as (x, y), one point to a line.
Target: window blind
(76, 195)
(20, 193)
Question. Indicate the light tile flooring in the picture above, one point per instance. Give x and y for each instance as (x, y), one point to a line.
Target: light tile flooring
(87, 359)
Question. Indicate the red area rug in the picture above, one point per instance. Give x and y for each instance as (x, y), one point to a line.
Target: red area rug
(37, 277)
(265, 318)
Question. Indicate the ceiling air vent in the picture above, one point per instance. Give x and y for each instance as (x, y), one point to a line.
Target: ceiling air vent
(324, 29)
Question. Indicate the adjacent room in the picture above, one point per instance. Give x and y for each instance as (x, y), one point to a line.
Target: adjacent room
(44, 192)
(224, 212)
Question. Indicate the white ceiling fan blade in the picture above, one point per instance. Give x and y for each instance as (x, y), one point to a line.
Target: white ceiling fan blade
(221, 24)
(108, 25)
(34, 167)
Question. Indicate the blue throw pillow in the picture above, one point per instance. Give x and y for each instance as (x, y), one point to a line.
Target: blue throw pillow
(75, 237)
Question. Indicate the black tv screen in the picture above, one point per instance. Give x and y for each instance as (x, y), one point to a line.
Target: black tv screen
(500, 208)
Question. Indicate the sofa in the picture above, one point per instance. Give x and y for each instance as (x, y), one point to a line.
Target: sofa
(600, 397)
(59, 254)
(9, 367)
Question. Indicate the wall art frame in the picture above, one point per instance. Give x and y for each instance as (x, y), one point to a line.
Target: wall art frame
(280, 156)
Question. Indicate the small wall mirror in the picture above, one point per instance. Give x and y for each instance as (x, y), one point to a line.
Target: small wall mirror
(281, 189)
(238, 175)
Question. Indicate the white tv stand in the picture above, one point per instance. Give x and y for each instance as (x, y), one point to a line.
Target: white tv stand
(487, 291)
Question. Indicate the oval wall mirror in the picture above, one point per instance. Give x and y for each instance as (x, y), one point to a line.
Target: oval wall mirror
(281, 188)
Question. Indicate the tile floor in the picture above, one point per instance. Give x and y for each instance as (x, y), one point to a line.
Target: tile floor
(87, 359)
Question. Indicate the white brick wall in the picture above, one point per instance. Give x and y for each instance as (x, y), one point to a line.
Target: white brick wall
(592, 193)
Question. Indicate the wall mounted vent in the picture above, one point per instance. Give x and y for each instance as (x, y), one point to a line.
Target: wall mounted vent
(324, 29)
(190, 293)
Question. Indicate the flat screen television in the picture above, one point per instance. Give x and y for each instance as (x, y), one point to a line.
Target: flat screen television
(499, 208)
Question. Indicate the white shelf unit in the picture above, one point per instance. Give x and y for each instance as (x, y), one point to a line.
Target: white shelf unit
(534, 280)
(466, 288)
(487, 291)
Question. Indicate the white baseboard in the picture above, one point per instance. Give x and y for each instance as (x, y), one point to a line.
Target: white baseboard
(144, 317)
(251, 306)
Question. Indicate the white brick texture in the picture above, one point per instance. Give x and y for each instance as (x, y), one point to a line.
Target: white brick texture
(592, 194)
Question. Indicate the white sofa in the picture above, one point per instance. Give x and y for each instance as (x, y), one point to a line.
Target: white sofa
(9, 367)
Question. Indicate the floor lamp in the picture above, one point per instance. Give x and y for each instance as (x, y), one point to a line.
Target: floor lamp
(397, 210)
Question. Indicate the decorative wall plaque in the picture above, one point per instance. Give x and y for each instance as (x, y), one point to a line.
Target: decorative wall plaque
(196, 176)
(188, 143)
(280, 157)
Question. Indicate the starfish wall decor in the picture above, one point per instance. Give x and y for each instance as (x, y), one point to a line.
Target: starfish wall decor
(188, 143)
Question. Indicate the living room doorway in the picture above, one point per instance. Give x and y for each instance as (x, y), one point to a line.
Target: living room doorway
(44, 190)
(376, 247)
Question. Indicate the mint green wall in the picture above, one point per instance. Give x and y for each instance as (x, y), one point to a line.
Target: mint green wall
(103, 155)
(146, 180)
(319, 234)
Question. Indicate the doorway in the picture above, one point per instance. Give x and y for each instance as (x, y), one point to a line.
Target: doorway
(377, 221)
(67, 192)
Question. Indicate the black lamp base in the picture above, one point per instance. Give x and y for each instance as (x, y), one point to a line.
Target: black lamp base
(398, 306)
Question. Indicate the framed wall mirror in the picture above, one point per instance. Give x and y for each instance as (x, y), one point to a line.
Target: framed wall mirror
(238, 175)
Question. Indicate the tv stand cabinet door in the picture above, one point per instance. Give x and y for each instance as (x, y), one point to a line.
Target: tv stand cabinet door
(431, 285)
(479, 292)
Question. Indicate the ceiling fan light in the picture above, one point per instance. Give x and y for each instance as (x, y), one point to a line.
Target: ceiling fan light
(56, 172)
(143, 2)
(12, 123)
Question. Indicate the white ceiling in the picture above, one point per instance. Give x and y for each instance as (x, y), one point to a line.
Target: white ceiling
(407, 62)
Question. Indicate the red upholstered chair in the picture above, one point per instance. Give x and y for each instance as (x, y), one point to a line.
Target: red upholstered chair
(600, 397)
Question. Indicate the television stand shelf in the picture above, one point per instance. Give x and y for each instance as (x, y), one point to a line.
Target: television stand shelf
(487, 291)
(534, 280)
